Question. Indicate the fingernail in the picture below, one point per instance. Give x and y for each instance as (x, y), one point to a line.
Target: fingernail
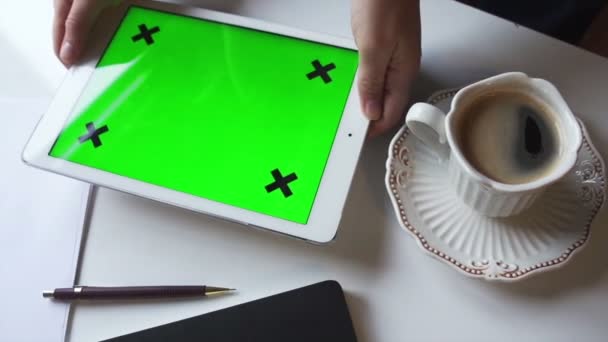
(373, 109)
(66, 53)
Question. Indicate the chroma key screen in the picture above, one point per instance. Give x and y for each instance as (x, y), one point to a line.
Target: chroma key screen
(230, 114)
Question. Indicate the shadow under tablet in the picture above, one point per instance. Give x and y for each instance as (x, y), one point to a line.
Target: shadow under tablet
(313, 313)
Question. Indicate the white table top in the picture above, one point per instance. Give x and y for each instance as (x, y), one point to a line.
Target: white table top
(394, 291)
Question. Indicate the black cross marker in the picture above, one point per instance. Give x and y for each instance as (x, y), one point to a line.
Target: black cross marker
(145, 34)
(93, 134)
(281, 182)
(321, 70)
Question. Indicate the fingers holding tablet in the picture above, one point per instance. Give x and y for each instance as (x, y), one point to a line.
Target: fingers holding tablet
(72, 23)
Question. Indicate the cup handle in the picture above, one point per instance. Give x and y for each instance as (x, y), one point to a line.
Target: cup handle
(427, 123)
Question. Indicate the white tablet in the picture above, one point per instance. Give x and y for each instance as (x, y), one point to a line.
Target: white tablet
(233, 117)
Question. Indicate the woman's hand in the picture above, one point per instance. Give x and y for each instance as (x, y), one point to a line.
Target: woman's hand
(72, 24)
(387, 33)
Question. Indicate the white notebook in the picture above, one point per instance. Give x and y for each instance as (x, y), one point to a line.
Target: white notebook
(41, 222)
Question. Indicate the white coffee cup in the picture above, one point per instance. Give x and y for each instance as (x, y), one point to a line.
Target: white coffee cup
(483, 194)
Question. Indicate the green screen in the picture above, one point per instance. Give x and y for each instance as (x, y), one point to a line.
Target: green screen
(230, 114)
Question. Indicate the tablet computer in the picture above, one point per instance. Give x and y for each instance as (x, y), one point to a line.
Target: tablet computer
(233, 117)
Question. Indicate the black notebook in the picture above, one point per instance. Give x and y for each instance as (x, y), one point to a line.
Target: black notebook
(313, 313)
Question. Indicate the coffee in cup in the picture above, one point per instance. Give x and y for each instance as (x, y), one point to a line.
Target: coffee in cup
(504, 140)
(510, 137)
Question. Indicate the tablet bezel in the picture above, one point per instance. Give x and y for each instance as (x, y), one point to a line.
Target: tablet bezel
(334, 186)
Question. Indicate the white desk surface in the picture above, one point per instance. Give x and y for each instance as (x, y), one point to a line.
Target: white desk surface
(395, 292)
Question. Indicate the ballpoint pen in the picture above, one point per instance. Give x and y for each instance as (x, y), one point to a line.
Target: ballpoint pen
(132, 292)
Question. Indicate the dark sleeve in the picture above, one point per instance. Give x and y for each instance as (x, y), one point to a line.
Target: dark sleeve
(563, 19)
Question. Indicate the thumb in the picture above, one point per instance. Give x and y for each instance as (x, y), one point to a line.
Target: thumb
(78, 24)
(372, 74)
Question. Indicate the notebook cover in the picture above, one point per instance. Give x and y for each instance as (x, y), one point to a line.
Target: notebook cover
(313, 313)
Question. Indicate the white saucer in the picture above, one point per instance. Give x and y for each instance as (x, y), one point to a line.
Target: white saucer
(543, 237)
